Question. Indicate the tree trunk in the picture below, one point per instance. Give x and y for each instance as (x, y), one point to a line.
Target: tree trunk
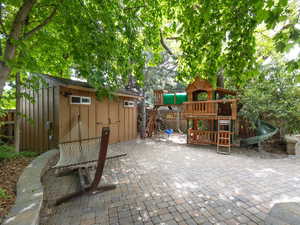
(142, 116)
(220, 83)
(178, 111)
(17, 115)
(4, 72)
(14, 35)
(142, 112)
(220, 80)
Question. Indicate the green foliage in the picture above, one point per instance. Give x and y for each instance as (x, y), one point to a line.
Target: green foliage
(105, 41)
(7, 101)
(98, 40)
(219, 36)
(161, 77)
(28, 84)
(8, 152)
(3, 194)
(289, 34)
(273, 96)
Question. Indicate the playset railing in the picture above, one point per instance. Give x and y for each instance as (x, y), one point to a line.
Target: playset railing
(224, 107)
(158, 97)
(204, 108)
(207, 137)
(202, 137)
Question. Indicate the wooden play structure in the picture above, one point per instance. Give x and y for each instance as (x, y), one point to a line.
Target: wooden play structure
(211, 120)
(211, 114)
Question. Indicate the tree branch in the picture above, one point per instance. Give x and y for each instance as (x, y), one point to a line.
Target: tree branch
(164, 44)
(136, 7)
(41, 25)
(3, 30)
(173, 38)
(1, 22)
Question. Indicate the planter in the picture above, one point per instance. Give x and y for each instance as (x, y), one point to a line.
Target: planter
(292, 144)
(30, 192)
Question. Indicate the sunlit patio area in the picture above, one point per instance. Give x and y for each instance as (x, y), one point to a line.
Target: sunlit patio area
(164, 181)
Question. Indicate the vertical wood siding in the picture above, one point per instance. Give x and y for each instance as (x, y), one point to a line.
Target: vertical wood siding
(122, 121)
(52, 105)
(35, 135)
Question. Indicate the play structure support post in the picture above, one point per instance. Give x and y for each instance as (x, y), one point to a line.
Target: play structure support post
(260, 146)
(178, 113)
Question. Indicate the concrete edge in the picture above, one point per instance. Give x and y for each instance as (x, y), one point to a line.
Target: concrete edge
(30, 192)
(292, 144)
(292, 138)
(285, 213)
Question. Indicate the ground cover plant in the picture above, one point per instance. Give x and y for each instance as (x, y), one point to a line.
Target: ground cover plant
(11, 167)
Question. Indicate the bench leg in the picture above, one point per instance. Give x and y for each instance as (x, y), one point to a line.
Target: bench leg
(69, 196)
(103, 188)
(98, 190)
(93, 188)
(65, 172)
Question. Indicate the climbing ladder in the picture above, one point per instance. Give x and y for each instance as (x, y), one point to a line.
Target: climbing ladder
(151, 122)
(224, 136)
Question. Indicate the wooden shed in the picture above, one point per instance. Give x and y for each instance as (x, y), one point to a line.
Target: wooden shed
(53, 116)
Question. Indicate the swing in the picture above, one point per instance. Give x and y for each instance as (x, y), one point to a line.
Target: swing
(82, 155)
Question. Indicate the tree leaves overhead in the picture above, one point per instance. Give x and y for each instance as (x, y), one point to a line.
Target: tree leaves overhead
(273, 96)
(218, 36)
(105, 41)
(102, 41)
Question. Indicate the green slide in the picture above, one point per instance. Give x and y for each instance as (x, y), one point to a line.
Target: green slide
(264, 131)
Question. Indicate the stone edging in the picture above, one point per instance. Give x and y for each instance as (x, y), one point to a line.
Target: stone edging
(287, 213)
(29, 200)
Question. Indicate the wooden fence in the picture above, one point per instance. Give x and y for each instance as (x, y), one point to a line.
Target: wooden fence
(7, 126)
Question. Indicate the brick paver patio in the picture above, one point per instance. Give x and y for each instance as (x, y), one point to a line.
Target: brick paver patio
(166, 183)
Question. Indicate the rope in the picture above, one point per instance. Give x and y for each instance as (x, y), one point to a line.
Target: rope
(79, 134)
(78, 152)
(74, 153)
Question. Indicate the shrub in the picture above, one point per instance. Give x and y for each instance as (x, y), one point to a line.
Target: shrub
(8, 152)
(274, 96)
(3, 194)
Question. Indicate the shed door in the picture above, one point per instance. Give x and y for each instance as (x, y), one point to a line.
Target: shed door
(114, 121)
(107, 114)
(128, 121)
(76, 130)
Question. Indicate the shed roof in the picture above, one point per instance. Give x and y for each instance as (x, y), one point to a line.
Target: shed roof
(76, 84)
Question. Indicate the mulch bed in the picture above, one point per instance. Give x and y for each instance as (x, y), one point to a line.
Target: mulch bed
(10, 170)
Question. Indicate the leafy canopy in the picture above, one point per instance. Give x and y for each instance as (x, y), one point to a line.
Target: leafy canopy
(218, 37)
(273, 96)
(102, 41)
(105, 41)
